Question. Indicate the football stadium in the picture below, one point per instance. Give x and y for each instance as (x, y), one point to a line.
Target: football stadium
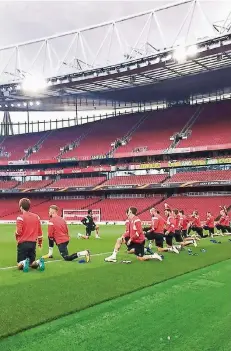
(115, 178)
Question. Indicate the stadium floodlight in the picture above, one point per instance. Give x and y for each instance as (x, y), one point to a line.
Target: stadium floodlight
(49, 83)
(37, 103)
(18, 87)
(155, 60)
(33, 83)
(0, 106)
(166, 58)
(6, 105)
(24, 104)
(19, 105)
(12, 105)
(31, 103)
(192, 50)
(180, 54)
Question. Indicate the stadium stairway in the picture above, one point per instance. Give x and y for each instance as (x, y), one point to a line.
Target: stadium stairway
(185, 129)
(38, 145)
(152, 205)
(75, 144)
(2, 139)
(128, 136)
(162, 200)
(92, 204)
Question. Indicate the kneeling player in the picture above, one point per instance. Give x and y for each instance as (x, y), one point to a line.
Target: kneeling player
(223, 224)
(134, 239)
(178, 230)
(28, 233)
(209, 224)
(58, 233)
(90, 225)
(156, 232)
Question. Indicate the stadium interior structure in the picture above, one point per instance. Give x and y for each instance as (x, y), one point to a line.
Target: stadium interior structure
(166, 137)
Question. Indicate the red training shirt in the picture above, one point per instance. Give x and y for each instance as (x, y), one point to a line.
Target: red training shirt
(184, 222)
(136, 231)
(58, 230)
(210, 222)
(158, 224)
(28, 228)
(171, 224)
(177, 220)
(224, 220)
(196, 222)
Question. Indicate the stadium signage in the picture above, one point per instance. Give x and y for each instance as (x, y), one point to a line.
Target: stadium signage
(154, 165)
(108, 187)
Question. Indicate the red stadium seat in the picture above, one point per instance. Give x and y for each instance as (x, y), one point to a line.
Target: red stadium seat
(201, 176)
(136, 179)
(77, 182)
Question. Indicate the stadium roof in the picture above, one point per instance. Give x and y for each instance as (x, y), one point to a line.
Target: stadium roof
(149, 62)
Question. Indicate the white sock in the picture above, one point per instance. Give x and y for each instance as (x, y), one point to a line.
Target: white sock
(154, 256)
(22, 262)
(38, 262)
(150, 245)
(169, 249)
(82, 253)
(114, 254)
(178, 247)
(50, 253)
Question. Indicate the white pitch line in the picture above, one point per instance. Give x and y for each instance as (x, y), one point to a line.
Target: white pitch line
(53, 261)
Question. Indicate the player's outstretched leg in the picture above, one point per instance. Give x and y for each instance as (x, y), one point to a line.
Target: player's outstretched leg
(155, 256)
(117, 247)
(74, 256)
(97, 232)
(82, 236)
(170, 246)
(138, 250)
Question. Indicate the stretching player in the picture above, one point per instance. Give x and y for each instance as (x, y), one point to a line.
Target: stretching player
(156, 232)
(184, 222)
(170, 230)
(90, 225)
(122, 240)
(224, 222)
(178, 227)
(58, 233)
(134, 239)
(28, 233)
(209, 224)
(196, 224)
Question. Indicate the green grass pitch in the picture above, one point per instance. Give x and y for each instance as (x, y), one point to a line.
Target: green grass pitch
(191, 304)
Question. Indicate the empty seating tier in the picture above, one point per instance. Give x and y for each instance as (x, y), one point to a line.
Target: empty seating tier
(207, 176)
(77, 182)
(136, 180)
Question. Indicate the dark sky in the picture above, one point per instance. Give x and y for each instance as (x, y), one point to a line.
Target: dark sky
(26, 20)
